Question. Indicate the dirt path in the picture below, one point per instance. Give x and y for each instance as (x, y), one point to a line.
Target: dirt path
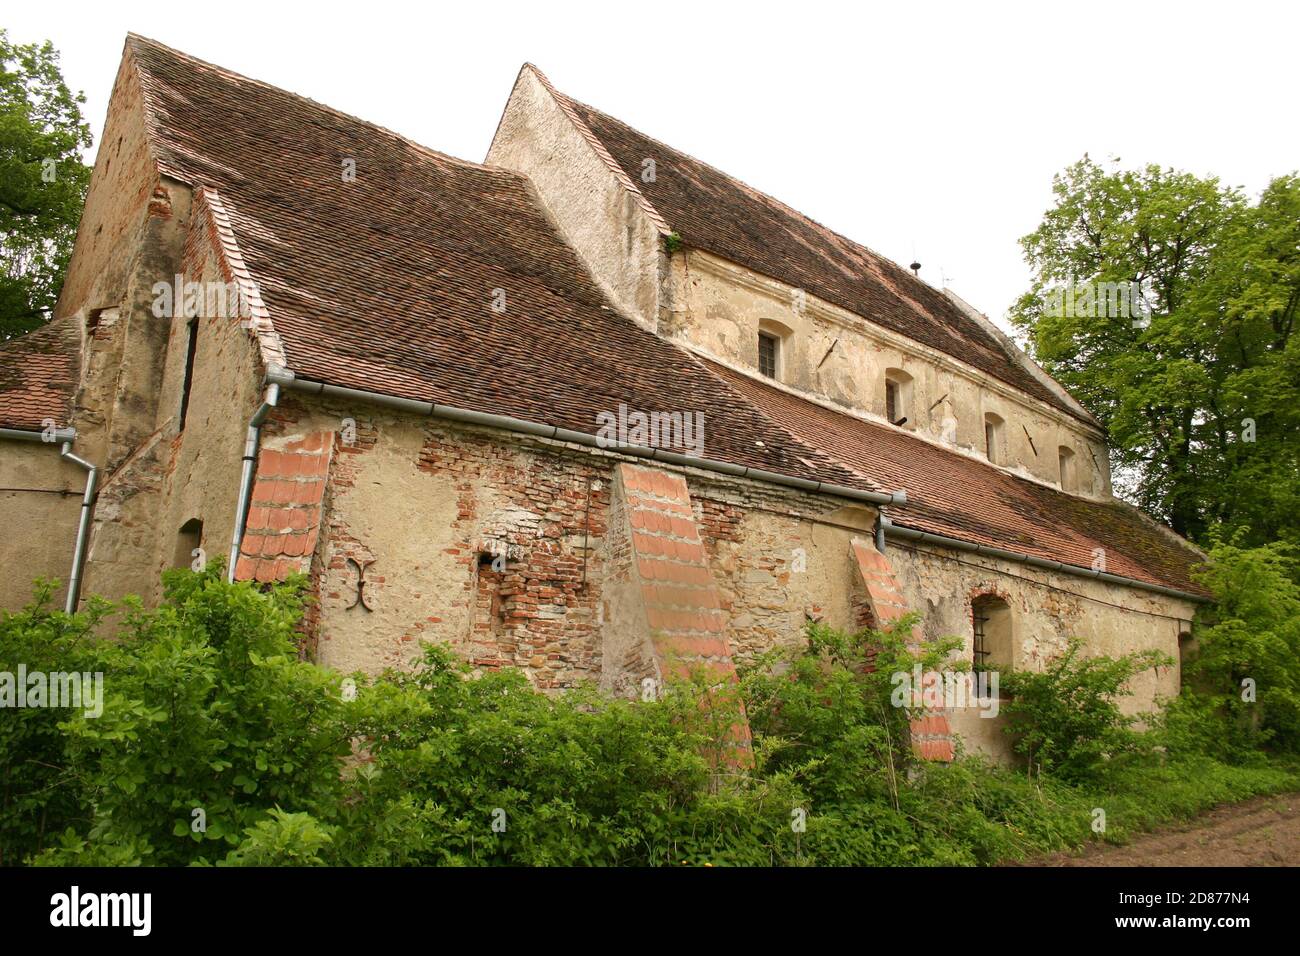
(1260, 832)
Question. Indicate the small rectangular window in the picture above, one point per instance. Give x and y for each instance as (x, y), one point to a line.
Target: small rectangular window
(990, 441)
(767, 352)
(981, 655)
(1065, 461)
(891, 401)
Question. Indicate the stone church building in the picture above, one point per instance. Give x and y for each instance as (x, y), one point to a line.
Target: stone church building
(590, 408)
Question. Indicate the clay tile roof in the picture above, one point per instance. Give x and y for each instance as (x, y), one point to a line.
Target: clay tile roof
(961, 497)
(717, 213)
(38, 376)
(387, 284)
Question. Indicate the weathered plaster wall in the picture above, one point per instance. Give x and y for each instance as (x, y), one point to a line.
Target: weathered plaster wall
(121, 189)
(720, 307)
(596, 214)
(429, 510)
(131, 235)
(203, 463)
(427, 507)
(173, 475)
(1047, 609)
(39, 527)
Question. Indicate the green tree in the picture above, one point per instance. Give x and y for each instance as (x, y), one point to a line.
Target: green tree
(42, 181)
(1242, 691)
(1199, 393)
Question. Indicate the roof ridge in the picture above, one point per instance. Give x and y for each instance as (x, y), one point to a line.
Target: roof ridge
(849, 266)
(566, 106)
(135, 39)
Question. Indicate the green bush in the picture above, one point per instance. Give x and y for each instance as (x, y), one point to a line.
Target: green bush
(37, 795)
(1242, 685)
(209, 722)
(1066, 719)
(207, 708)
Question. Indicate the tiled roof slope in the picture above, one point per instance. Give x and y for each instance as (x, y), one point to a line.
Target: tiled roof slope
(387, 283)
(38, 376)
(957, 496)
(712, 211)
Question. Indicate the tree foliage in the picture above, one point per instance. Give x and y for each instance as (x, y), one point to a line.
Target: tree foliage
(1201, 399)
(42, 181)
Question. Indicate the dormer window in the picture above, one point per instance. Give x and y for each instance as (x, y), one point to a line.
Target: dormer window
(769, 353)
(898, 396)
(993, 438)
(1065, 461)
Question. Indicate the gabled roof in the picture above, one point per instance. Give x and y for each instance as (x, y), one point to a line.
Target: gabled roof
(717, 213)
(387, 283)
(38, 376)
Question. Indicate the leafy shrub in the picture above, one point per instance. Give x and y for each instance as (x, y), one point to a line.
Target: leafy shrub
(824, 712)
(1066, 719)
(37, 798)
(1242, 685)
(209, 722)
(282, 839)
(207, 707)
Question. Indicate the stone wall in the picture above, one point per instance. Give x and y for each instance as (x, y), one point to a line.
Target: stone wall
(40, 500)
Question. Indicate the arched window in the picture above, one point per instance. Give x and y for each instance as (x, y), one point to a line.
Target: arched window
(898, 397)
(991, 625)
(1065, 459)
(993, 438)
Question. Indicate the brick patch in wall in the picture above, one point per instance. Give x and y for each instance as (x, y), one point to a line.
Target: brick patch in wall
(284, 515)
(682, 608)
(931, 735)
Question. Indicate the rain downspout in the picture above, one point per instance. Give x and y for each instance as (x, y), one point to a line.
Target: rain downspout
(65, 437)
(251, 440)
(83, 526)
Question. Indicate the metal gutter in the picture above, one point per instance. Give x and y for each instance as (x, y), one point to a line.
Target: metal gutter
(911, 534)
(286, 379)
(57, 437)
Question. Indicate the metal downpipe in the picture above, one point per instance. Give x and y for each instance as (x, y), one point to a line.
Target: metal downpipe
(83, 526)
(252, 439)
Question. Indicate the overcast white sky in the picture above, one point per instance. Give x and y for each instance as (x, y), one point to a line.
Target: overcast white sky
(927, 129)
